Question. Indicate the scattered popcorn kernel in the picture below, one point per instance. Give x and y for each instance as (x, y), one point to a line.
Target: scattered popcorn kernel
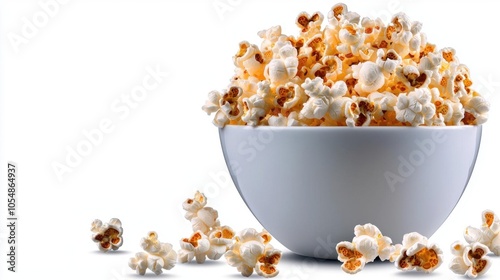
(385, 249)
(469, 259)
(220, 240)
(370, 56)
(202, 218)
(417, 253)
(488, 234)
(107, 236)
(196, 246)
(250, 251)
(354, 255)
(157, 256)
(139, 263)
(266, 264)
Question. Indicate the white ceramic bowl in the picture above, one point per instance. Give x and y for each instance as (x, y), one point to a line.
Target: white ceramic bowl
(310, 186)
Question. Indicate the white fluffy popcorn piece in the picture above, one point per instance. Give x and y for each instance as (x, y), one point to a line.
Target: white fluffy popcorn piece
(415, 107)
(194, 247)
(488, 234)
(254, 110)
(250, 251)
(250, 60)
(354, 255)
(108, 236)
(385, 249)
(157, 256)
(139, 263)
(336, 13)
(388, 61)
(289, 95)
(202, 218)
(476, 110)
(417, 253)
(319, 99)
(358, 111)
(280, 120)
(284, 67)
(266, 264)
(225, 105)
(269, 37)
(309, 25)
(352, 38)
(221, 239)
(370, 77)
(469, 259)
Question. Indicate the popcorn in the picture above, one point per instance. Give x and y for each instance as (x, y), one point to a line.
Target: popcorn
(266, 264)
(196, 246)
(370, 57)
(367, 244)
(488, 234)
(476, 110)
(250, 60)
(415, 108)
(202, 218)
(309, 24)
(385, 249)
(220, 241)
(354, 255)
(157, 256)
(251, 250)
(139, 263)
(107, 236)
(417, 253)
(370, 77)
(470, 259)
(281, 69)
(317, 105)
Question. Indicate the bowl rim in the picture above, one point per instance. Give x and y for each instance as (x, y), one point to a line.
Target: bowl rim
(278, 128)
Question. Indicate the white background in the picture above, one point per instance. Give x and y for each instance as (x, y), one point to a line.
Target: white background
(64, 79)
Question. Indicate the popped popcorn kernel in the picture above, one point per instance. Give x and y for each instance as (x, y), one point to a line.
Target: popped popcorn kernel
(251, 250)
(108, 236)
(385, 249)
(157, 256)
(194, 247)
(417, 253)
(220, 240)
(202, 218)
(354, 255)
(469, 259)
(368, 55)
(266, 264)
(488, 234)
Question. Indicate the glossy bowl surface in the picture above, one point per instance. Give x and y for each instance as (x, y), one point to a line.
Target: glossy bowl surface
(310, 186)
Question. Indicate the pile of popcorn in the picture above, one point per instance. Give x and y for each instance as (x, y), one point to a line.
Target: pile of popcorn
(247, 250)
(470, 258)
(250, 250)
(352, 71)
